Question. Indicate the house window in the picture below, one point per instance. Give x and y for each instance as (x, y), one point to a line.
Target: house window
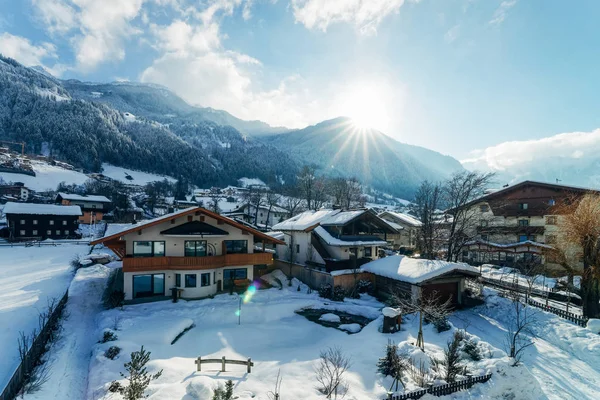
(48, 232)
(297, 249)
(35, 221)
(523, 206)
(524, 238)
(58, 232)
(93, 206)
(551, 220)
(205, 279)
(66, 231)
(551, 202)
(236, 246)
(34, 232)
(51, 222)
(148, 249)
(368, 251)
(22, 222)
(484, 208)
(195, 248)
(190, 280)
(22, 232)
(178, 280)
(483, 223)
(64, 222)
(233, 274)
(484, 238)
(523, 222)
(148, 285)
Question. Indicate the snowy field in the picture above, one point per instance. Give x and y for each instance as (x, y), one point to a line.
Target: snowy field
(47, 177)
(276, 338)
(139, 177)
(29, 276)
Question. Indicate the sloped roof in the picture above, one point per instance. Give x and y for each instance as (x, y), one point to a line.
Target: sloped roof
(195, 228)
(361, 240)
(305, 220)
(41, 209)
(405, 218)
(415, 270)
(78, 197)
(182, 213)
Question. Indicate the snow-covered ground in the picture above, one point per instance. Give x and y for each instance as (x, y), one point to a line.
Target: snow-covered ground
(565, 358)
(47, 177)
(29, 277)
(276, 338)
(138, 177)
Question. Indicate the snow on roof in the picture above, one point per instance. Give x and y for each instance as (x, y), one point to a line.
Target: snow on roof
(304, 220)
(333, 241)
(41, 209)
(77, 197)
(510, 245)
(414, 270)
(407, 219)
(276, 235)
(394, 225)
(342, 218)
(149, 221)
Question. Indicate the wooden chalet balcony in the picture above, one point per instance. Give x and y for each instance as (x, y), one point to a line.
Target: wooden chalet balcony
(138, 264)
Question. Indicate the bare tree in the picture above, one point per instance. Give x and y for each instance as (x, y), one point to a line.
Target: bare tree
(320, 193)
(276, 393)
(579, 226)
(215, 196)
(346, 193)
(330, 371)
(306, 185)
(432, 307)
(292, 200)
(519, 335)
(427, 201)
(272, 199)
(458, 193)
(255, 198)
(532, 270)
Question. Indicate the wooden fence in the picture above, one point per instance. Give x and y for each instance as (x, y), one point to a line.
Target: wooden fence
(37, 349)
(311, 277)
(442, 390)
(199, 361)
(552, 295)
(578, 319)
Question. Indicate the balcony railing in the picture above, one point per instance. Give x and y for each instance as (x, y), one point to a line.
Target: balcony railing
(134, 264)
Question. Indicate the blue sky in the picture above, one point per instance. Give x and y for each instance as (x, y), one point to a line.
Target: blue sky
(451, 75)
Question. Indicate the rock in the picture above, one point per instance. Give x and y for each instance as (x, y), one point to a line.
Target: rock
(329, 317)
(593, 324)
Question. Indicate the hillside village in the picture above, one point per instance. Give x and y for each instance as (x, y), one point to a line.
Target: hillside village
(342, 266)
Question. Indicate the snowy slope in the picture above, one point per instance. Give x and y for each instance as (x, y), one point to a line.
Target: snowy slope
(47, 177)
(28, 278)
(139, 177)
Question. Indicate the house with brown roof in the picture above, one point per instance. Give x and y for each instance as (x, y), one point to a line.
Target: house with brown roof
(194, 252)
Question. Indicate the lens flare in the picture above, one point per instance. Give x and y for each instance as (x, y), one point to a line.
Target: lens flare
(249, 293)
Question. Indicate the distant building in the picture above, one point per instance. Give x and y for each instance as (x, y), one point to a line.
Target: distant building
(93, 207)
(28, 221)
(408, 229)
(265, 216)
(332, 240)
(17, 191)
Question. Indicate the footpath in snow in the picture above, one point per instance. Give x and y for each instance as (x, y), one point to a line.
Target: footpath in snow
(69, 358)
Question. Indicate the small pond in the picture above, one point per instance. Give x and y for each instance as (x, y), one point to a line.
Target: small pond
(348, 323)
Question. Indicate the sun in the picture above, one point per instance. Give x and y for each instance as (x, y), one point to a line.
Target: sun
(367, 106)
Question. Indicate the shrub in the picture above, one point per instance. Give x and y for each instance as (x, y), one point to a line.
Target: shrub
(470, 347)
(112, 352)
(116, 298)
(325, 291)
(365, 286)
(109, 336)
(442, 325)
(138, 377)
(115, 387)
(226, 393)
(338, 294)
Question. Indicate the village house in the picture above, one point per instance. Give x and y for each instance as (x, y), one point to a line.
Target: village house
(407, 227)
(330, 240)
(195, 252)
(518, 223)
(15, 192)
(28, 221)
(412, 278)
(263, 216)
(93, 207)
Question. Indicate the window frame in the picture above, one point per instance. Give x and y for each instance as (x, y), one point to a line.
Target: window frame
(178, 280)
(22, 232)
(523, 206)
(153, 251)
(523, 222)
(368, 251)
(152, 286)
(202, 278)
(233, 241)
(185, 248)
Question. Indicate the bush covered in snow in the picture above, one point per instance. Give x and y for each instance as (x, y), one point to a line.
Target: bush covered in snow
(108, 336)
(336, 294)
(112, 352)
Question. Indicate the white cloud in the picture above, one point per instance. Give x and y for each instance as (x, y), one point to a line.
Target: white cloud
(101, 27)
(22, 50)
(365, 15)
(452, 34)
(516, 154)
(502, 11)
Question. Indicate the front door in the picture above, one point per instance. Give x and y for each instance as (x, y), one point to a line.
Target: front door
(230, 275)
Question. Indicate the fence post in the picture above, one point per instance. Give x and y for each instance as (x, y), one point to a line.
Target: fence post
(249, 363)
(223, 364)
(199, 364)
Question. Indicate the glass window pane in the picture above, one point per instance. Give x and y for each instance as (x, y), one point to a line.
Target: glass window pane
(142, 249)
(201, 248)
(142, 285)
(190, 248)
(190, 280)
(236, 246)
(178, 280)
(159, 283)
(205, 279)
(159, 249)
